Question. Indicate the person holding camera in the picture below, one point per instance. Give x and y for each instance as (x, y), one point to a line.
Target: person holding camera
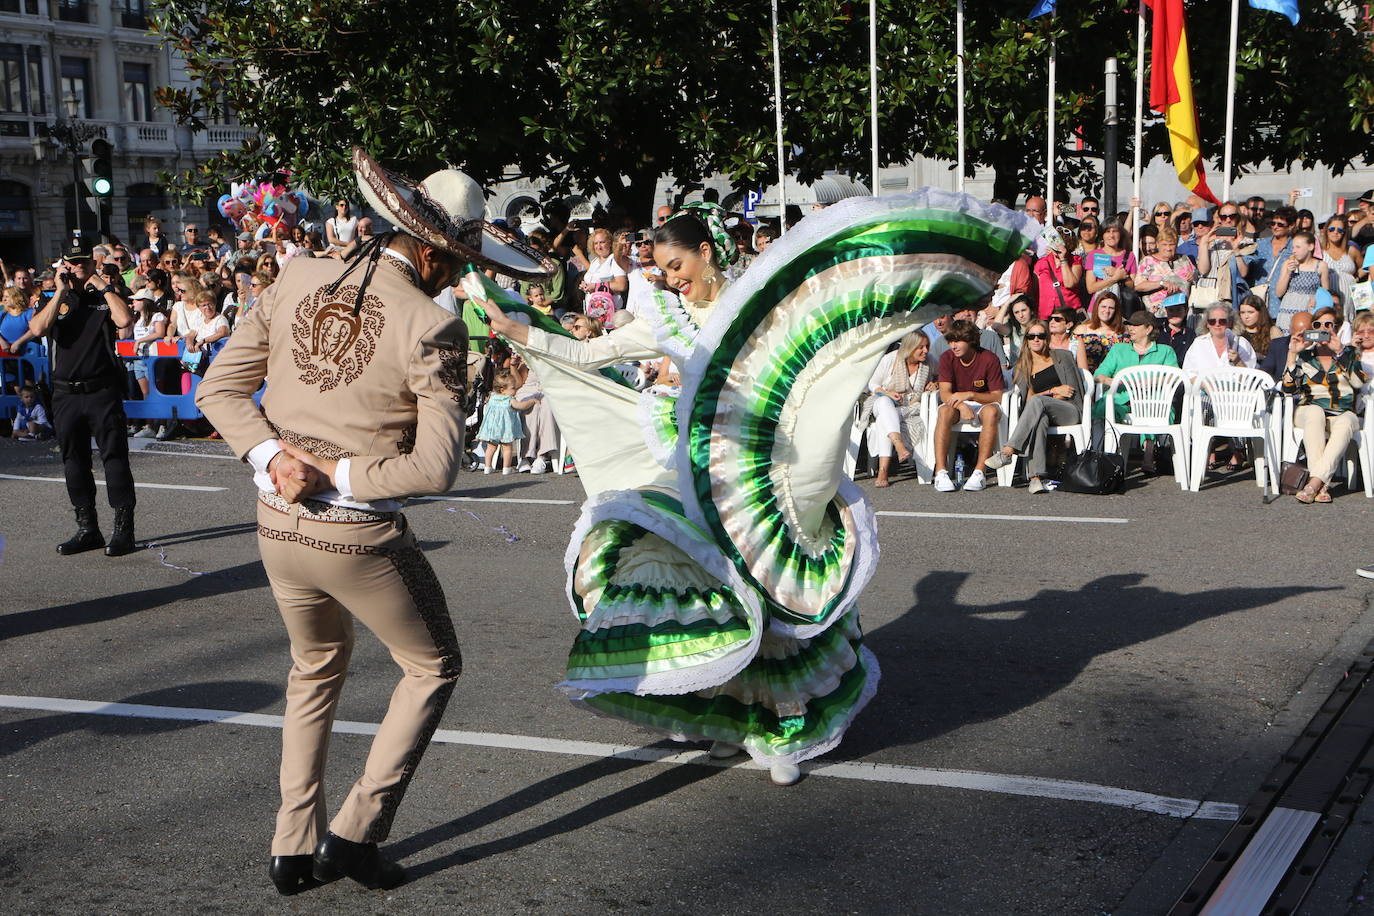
(88, 384)
(1325, 379)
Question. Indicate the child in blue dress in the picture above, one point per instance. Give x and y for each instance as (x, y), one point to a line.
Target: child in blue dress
(500, 423)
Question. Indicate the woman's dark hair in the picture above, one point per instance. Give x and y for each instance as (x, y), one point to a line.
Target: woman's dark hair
(157, 278)
(684, 231)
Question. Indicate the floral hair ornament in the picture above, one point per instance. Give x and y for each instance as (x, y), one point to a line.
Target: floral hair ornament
(713, 217)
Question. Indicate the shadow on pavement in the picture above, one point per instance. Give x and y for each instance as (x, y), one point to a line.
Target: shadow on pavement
(947, 665)
(244, 696)
(662, 783)
(201, 534)
(243, 577)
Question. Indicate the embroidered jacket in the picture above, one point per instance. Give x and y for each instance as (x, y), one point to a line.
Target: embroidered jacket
(382, 389)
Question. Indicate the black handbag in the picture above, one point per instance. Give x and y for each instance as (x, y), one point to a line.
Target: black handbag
(1098, 473)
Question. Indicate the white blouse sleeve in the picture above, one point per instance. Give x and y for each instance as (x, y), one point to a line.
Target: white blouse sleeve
(632, 342)
(881, 373)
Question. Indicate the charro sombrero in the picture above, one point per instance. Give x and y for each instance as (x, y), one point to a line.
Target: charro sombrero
(446, 210)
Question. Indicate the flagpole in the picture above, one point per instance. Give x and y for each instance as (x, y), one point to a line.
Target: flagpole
(777, 108)
(1049, 133)
(959, 79)
(1230, 101)
(1139, 122)
(873, 84)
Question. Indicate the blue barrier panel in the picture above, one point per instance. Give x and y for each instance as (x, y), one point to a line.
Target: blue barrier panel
(158, 405)
(19, 370)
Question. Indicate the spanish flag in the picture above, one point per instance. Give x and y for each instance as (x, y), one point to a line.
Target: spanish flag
(1171, 94)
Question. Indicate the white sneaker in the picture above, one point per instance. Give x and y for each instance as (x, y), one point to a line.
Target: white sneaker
(943, 484)
(976, 481)
(784, 774)
(146, 432)
(998, 460)
(524, 467)
(541, 465)
(485, 469)
(1038, 486)
(505, 471)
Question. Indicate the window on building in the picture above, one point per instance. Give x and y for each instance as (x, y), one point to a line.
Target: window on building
(133, 14)
(138, 92)
(19, 6)
(73, 11)
(76, 81)
(21, 79)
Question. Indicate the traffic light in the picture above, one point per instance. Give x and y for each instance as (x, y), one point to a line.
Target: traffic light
(98, 177)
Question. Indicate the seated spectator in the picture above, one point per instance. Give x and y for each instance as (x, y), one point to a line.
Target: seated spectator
(1221, 348)
(1163, 274)
(204, 325)
(1142, 350)
(539, 449)
(31, 420)
(267, 263)
(14, 323)
(537, 298)
(971, 386)
(1104, 329)
(1362, 333)
(1176, 331)
(896, 388)
(584, 328)
(988, 338)
(1324, 383)
(1050, 387)
(1061, 324)
(1011, 324)
(1256, 326)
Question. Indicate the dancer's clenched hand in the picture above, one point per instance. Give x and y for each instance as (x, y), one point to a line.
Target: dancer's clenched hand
(292, 477)
(322, 469)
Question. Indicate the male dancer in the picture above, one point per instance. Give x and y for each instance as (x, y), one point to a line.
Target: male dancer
(364, 408)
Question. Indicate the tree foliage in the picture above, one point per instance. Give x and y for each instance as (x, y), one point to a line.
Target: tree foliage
(613, 94)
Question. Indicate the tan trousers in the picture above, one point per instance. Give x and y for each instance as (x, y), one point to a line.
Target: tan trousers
(1323, 453)
(321, 571)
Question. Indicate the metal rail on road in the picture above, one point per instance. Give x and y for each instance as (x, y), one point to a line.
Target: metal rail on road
(1270, 859)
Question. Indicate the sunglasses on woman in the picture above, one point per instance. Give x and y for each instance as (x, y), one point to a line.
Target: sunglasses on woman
(1218, 321)
(1323, 324)
(1335, 228)
(1036, 336)
(1226, 216)
(1161, 213)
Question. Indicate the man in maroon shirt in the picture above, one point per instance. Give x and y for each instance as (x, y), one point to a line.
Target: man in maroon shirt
(971, 385)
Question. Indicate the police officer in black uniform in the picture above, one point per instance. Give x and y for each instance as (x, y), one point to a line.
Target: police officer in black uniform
(88, 397)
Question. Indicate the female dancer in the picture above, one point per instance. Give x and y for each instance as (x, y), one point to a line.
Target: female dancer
(718, 561)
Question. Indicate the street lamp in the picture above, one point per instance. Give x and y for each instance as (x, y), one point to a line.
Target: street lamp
(71, 135)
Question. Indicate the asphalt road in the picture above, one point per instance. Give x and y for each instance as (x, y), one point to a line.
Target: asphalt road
(1174, 654)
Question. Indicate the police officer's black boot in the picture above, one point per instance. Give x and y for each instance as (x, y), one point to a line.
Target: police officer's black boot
(87, 537)
(122, 538)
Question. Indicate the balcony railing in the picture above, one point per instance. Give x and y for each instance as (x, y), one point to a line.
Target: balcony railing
(219, 137)
(149, 138)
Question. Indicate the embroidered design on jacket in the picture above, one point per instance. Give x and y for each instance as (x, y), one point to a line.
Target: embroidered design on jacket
(332, 345)
(453, 371)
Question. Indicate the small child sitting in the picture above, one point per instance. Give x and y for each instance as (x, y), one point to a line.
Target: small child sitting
(31, 422)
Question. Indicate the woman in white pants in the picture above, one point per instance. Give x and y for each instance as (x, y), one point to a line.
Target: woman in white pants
(894, 402)
(1325, 378)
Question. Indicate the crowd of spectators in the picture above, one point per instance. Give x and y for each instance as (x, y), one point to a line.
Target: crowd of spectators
(1187, 285)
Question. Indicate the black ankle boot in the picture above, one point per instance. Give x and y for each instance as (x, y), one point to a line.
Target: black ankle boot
(122, 538)
(336, 857)
(87, 537)
(291, 874)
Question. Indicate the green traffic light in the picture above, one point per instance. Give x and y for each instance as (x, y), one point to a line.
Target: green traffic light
(102, 186)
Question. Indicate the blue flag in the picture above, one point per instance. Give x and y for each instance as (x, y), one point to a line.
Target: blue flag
(1047, 6)
(1287, 8)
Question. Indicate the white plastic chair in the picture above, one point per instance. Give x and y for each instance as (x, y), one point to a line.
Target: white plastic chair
(1079, 433)
(1151, 391)
(1359, 456)
(931, 406)
(863, 437)
(1236, 399)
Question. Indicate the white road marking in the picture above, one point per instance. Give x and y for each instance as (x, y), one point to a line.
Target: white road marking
(1027, 786)
(495, 499)
(1082, 520)
(137, 483)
